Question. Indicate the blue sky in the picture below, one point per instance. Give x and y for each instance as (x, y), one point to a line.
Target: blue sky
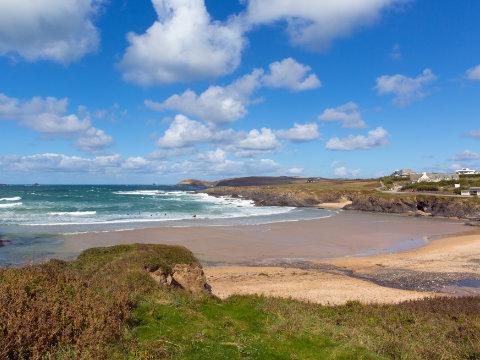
(95, 91)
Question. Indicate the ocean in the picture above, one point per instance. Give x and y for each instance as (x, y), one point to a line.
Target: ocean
(34, 218)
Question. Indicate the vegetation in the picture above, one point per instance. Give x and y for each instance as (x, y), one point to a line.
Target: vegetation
(421, 187)
(105, 305)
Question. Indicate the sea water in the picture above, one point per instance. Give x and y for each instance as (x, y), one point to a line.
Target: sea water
(33, 218)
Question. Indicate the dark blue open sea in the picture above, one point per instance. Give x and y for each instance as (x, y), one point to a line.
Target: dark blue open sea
(34, 218)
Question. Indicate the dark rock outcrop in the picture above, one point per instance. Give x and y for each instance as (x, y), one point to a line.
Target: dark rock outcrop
(371, 201)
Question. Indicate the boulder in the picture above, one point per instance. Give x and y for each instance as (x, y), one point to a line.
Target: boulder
(191, 278)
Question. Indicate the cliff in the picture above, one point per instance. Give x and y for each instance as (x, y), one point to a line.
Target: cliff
(194, 182)
(245, 181)
(362, 200)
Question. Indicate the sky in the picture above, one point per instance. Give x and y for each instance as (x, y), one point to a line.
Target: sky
(155, 91)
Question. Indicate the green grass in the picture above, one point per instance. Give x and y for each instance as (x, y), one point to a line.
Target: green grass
(105, 305)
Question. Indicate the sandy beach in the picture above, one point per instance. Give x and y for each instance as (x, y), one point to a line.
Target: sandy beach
(347, 234)
(388, 278)
(352, 256)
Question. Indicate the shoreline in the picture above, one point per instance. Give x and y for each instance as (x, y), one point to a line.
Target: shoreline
(348, 233)
(353, 255)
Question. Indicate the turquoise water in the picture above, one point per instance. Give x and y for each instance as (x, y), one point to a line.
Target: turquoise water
(33, 218)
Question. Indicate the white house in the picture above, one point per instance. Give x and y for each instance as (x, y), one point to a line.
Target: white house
(433, 177)
(466, 171)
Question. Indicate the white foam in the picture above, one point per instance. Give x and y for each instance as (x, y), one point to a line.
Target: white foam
(140, 192)
(73, 213)
(10, 205)
(15, 198)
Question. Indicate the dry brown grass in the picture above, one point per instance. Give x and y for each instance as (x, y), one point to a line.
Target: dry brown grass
(79, 307)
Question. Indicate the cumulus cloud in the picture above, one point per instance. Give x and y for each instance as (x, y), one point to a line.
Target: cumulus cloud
(49, 117)
(183, 44)
(290, 74)
(375, 138)
(315, 24)
(405, 89)
(104, 165)
(226, 167)
(344, 172)
(467, 155)
(347, 114)
(217, 104)
(299, 132)
(295, 170)
(264, 139)
(473, 73)
(226, 104)
(214, 156)
(185, 132)
(59, 30)
(210, 163)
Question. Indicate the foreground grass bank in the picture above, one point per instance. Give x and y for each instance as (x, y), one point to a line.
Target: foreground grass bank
(106, 305)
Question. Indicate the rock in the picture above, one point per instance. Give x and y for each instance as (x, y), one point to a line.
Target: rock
(191, 278)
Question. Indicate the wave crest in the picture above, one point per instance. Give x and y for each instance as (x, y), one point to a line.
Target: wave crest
(15, 198)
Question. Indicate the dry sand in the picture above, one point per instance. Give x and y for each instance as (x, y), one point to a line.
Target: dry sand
(305, 285)
(455, 254)
(335, 205)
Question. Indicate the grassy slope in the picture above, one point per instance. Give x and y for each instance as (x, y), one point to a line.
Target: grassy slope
(104, 305)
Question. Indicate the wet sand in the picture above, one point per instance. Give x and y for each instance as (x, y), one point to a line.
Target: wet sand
(346, 234)
(372, 258)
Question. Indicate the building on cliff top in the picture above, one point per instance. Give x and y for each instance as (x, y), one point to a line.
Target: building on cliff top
(433, 177)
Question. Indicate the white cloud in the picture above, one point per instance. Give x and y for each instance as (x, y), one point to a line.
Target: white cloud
(135, 163)
(226, 104)
(473, 73)
(375, 138)
(264, 139)
(347, 114)
(205, 164)
(290, 74)
(295, 170)
(183, 44)
(216, 104)
(104, 165)
(405, 89)
(215, 156)
(57, 30)
(56, 163)
(315, 24)
(48, 116)
(467, 155)
(345, 172)
(185, 132)
(299, 132)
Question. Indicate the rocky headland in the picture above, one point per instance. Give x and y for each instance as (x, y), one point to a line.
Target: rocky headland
(361, 200)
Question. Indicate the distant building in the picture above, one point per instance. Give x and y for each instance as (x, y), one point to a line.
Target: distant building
(466, 171)
(404, 173)
(433, 177)
(473, 191)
